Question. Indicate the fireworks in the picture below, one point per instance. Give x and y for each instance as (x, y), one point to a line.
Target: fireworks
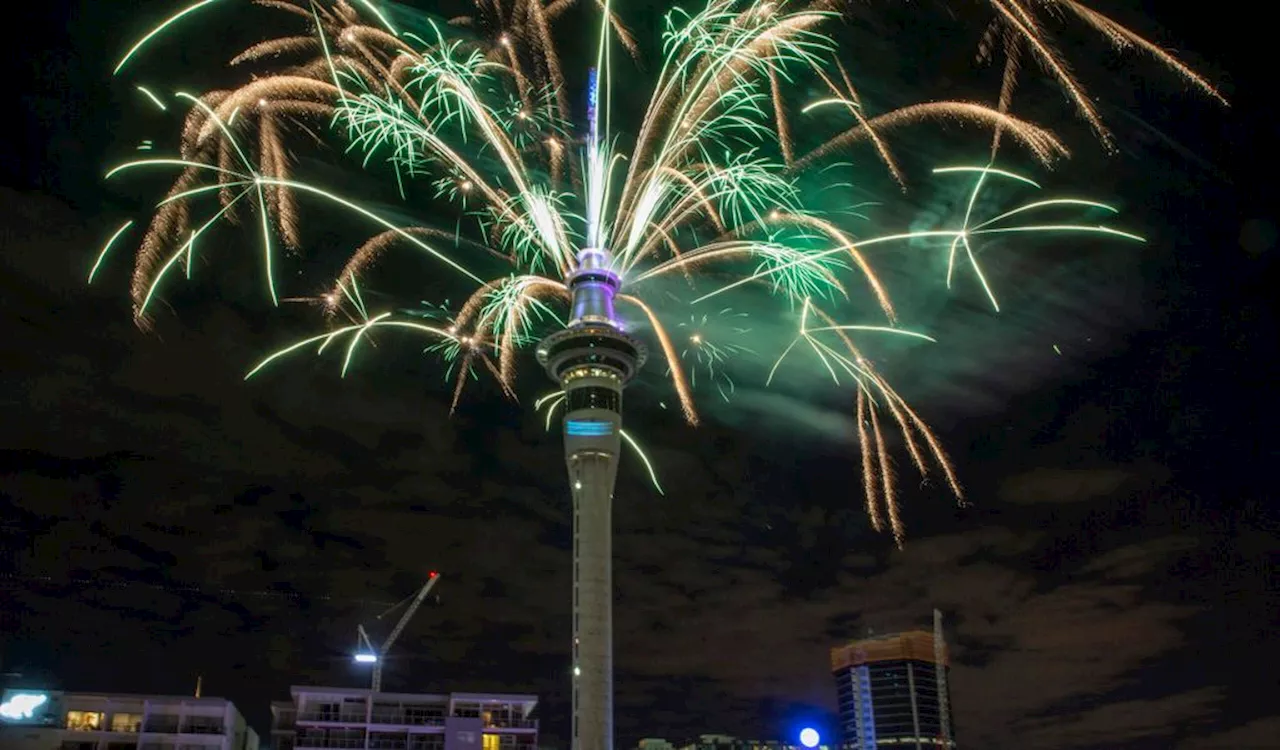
(710, 342)
(702, 198)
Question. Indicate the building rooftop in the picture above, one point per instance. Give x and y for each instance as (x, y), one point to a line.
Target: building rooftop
(914, 645)
(97, 695)
(524, 699)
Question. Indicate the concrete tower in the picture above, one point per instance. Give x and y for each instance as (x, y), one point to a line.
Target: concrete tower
(592, 359)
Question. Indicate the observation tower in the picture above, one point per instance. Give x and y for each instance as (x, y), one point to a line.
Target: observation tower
(592, 359)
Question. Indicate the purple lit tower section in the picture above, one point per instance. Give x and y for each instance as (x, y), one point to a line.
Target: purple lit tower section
(592, 359)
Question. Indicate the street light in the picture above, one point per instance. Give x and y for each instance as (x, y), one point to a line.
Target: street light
(809, 737)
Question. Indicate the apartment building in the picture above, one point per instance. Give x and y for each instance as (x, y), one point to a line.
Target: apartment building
(319, 718)
(57, 720)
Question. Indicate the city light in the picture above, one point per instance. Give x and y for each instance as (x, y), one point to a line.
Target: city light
(22, 706)
(809, 737)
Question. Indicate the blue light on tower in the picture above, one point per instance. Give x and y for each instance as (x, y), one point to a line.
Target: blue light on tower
(809, 737)
(593, 99)
(588, 428)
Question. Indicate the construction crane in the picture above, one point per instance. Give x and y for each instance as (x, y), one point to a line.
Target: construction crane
(368, 654)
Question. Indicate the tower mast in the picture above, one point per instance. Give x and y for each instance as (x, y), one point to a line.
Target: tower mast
(940, 670)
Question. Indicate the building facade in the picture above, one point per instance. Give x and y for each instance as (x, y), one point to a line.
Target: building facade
(892, 693)
(321, 718)
(56, 720)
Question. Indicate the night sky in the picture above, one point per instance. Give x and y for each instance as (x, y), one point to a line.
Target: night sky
(1111, 586)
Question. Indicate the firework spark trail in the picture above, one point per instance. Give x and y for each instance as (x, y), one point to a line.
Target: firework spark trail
(869, 490)
(1019, 23)
(1040, 142)
(708, 195)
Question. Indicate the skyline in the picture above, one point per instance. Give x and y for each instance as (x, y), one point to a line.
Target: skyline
(1134, 480)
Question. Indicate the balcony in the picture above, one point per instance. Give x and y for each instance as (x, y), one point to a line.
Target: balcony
(512, 723)
(326, 743)
(406, 718)
(202, 727)
(331, 717)
(161, 725)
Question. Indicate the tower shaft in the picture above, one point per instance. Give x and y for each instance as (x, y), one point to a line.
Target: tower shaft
(592, 475)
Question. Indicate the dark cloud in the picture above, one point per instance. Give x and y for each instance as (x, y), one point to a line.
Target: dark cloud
(1255, 735)
(165, 505)
(1055, 485)
(1124, 723)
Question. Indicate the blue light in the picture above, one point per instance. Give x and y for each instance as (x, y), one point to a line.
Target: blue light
(593, 92)
(588, 428)
(809, 737)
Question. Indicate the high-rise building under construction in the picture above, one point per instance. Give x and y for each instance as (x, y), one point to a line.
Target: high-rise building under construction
(892, 692)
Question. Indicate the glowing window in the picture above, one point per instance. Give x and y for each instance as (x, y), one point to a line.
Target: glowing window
(126, 722)
(491, 742)
(84, 721)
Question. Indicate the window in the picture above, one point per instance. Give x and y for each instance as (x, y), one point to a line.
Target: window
(203, 725)
(84, 721)
(420, 715)
(126, 722)
(161, 723)
(593, 397)
(490, 742)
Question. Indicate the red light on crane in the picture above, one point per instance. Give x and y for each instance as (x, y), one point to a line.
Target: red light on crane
(433, 574)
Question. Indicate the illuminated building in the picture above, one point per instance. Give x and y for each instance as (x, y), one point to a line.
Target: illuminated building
(56, 720)
(323, 717)
(892, 694)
